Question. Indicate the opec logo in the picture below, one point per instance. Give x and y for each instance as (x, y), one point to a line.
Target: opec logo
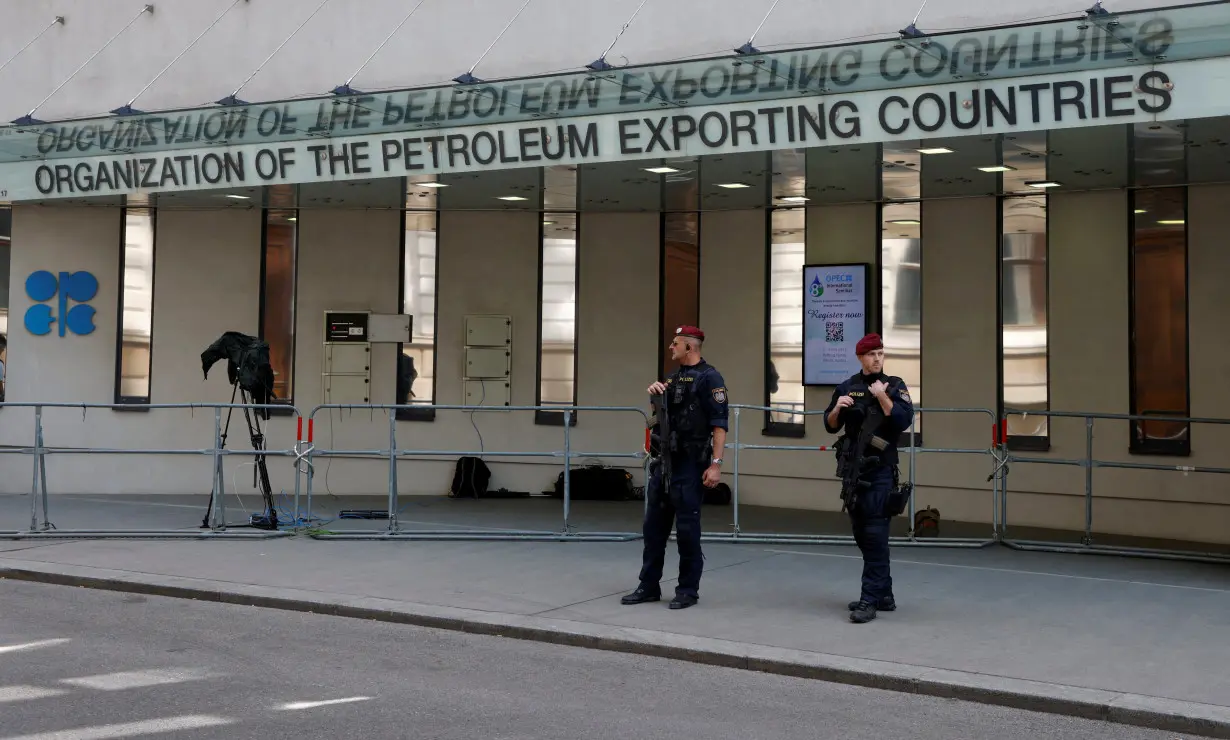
(817, 288)
(80, 287)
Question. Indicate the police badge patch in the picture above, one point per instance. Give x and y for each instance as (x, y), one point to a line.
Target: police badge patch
(904, 395)
(719, 395)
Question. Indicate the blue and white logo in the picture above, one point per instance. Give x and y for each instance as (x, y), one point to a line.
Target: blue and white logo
(80, 287)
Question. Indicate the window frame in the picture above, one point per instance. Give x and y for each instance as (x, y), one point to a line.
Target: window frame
(122, 402)
(912, 438)
(419, 414)
(264, 304)
(781, 429)
(541, 416)
(1162, 447)
(1033, 442)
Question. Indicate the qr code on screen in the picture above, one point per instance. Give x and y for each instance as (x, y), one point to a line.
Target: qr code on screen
(834, 331)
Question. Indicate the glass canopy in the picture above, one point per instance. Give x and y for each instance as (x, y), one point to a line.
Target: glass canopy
(1094, 40)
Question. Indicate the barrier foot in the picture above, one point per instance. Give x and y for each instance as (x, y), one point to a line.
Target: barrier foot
(1130, 552)
(103, 534)
(410, 535)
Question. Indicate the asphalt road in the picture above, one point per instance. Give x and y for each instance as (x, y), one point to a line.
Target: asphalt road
(78, 664)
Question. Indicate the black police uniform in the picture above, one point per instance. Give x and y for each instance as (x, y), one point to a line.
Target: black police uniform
(870, 517)
(696, 403)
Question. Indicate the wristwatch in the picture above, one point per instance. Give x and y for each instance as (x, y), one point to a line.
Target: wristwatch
(717, 461)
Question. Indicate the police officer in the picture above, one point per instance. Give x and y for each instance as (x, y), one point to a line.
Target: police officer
(872, 397)
(696, 407)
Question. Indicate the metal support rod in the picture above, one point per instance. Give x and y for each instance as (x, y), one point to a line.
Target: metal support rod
(58, 19)
(624, 27)
(38, 455)
(762, 22)
(387, 39)
(392, 470)
(567, 465)
(217, 515)
(1088, 480)
(178, 56)
(145, 9)
(735, 488)
(497, 39)
(42, 470)
(275, 51)
(913, 474)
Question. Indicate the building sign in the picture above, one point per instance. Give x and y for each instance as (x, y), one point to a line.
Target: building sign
(835, 301)
(988, 107)
(43, 286)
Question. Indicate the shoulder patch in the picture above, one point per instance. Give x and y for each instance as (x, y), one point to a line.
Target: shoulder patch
(904, 394)
(719, 395)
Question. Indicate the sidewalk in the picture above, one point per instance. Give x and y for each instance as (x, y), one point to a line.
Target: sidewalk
(1133, 641)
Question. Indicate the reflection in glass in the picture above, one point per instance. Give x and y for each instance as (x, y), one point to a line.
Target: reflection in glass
(787, 248)
(1024, 296)
(416, 383)
(1159, 318)
(557, 307)
(901, 296)
(6, 230)
(278, 262)
(680, 279)
(136, 306)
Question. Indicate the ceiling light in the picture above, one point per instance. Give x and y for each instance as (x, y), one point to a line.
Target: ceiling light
(1141, 210)
(906, 222)
(547, 223)
(998, 168)
(661, 170)
(429, 184)
(511, 197)
(1172, 222)
(795, 198)
(292, 218)
(1043, 184)
(239, 197)
(733, 185)
(936, 150)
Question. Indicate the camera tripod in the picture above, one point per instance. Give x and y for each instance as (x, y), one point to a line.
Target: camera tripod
(260, 473)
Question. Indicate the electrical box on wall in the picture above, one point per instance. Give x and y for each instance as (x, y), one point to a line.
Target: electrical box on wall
(487, 373)
(346, 375)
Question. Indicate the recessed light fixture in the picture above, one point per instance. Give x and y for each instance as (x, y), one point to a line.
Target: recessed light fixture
(661, 170)
(547, 223)
(1172, 222)
(935, 150)
(998, 168)
(429, 184)
(733, 185)
(239, 197)
(1043, 184)
(906, 222)
(292, 218)
(1141, 210)
(511, 197)
(795, 199)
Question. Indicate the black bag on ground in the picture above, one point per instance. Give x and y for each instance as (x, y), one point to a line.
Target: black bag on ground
(470, 478)
(595, 484)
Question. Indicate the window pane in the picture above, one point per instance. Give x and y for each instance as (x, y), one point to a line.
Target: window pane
(901, 296)
(680, 279)
(416, 364)
(278, 319)
(136, 321)
(557, 349)
(787, 247)
(1023, 260)
(6, 230)
(1159, 317)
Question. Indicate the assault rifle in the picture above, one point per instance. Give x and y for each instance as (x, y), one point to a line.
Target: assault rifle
(851, 456)
(664, 443)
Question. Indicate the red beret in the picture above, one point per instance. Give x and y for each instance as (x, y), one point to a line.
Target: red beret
(867, 344)
(690, 331)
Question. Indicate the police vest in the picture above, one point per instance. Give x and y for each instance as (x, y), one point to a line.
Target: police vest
(688, 420)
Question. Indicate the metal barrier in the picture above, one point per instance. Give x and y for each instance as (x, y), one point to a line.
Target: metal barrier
(737, 535)
(218, 529)
(1089, 463)
(392, 454)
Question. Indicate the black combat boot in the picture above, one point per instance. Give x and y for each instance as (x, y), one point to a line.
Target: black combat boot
(865, 612)
(683, 601)
(640, 596)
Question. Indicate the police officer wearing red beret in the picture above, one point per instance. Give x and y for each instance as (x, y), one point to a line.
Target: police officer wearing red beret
(874, 409)
(696, 406)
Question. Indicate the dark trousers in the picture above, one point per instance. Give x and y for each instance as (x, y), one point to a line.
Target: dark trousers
(679, 505)
(871, 526)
